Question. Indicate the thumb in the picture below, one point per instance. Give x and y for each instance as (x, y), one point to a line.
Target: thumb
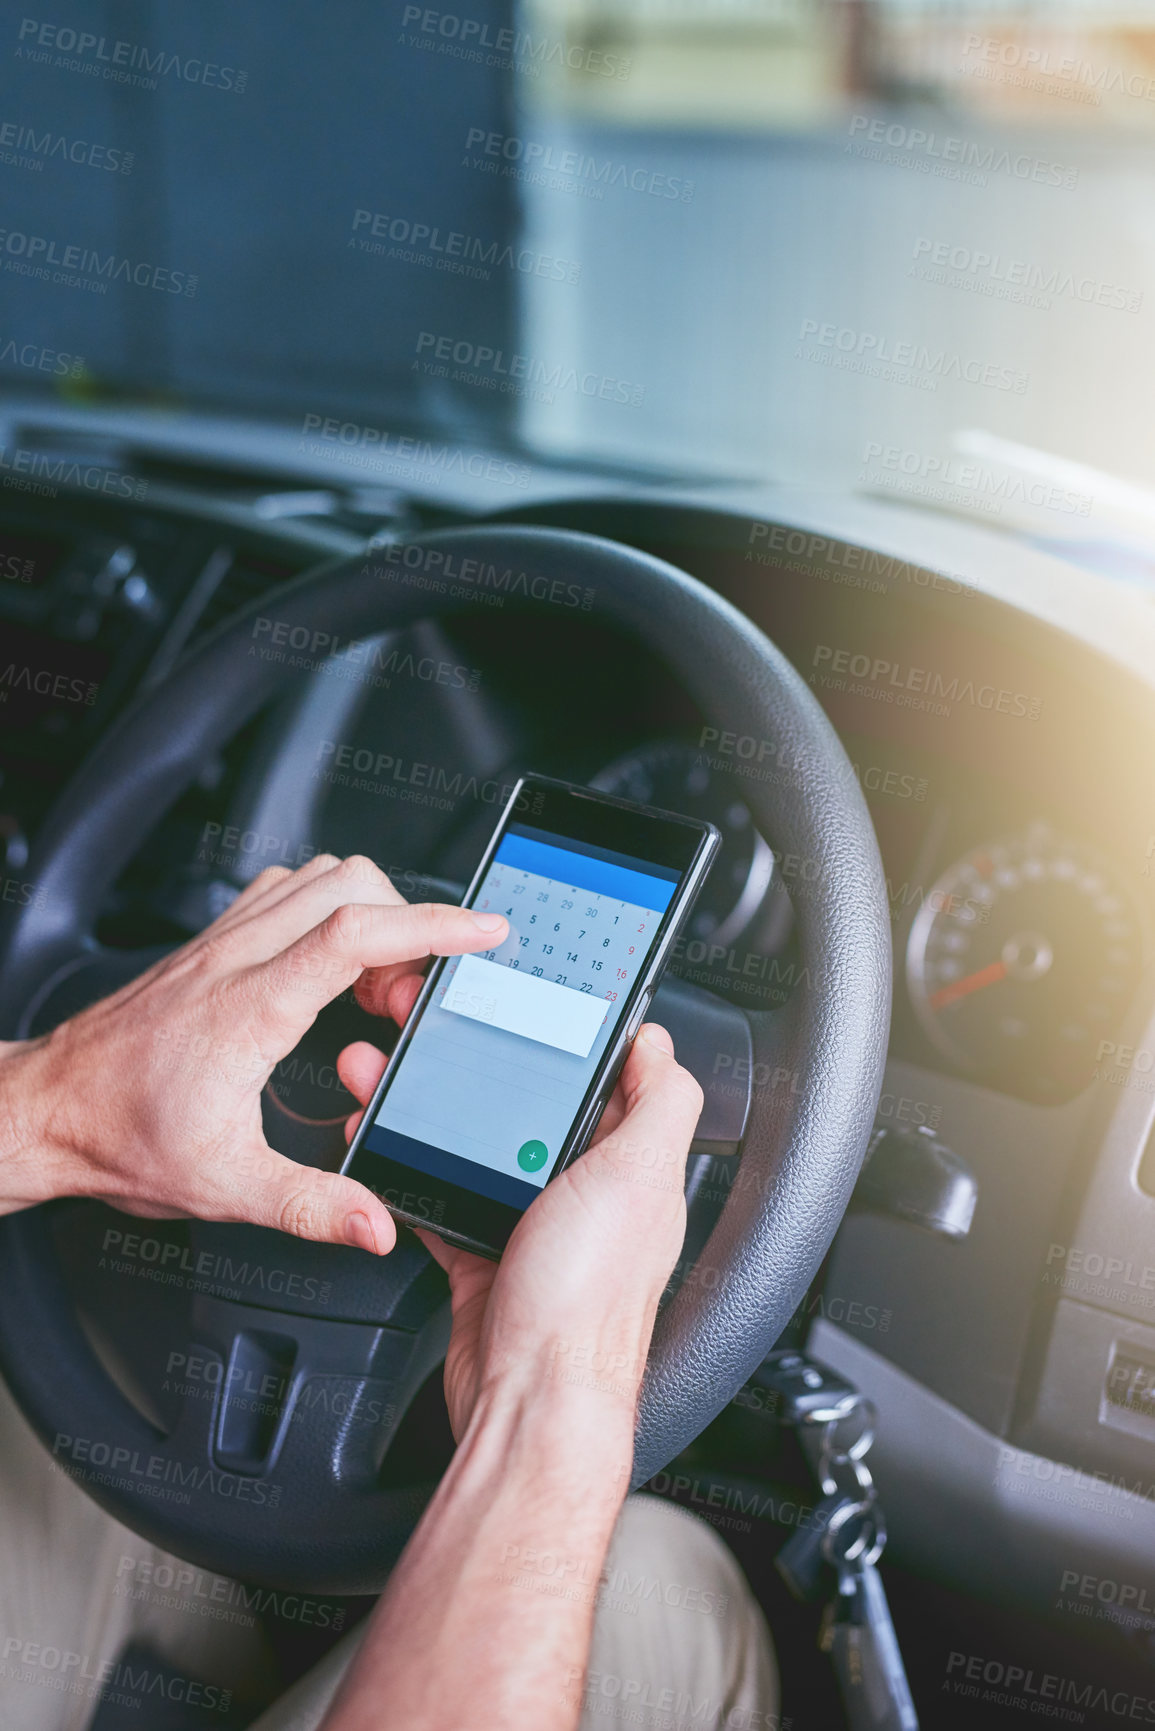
(322, 1206)
(661, 1104)
(657, 1089)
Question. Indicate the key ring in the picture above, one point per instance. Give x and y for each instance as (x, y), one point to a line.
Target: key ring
(870, 1557)
(831, 1456)
(839, 1407)
(850, 1478)
(867, 1544)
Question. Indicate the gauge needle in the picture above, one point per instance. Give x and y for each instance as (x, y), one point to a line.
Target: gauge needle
(963, 988)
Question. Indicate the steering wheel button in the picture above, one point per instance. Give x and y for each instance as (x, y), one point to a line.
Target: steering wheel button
(256, 1383)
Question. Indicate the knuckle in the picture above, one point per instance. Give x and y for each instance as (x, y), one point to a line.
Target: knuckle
(208, 959)
(686, 1088)
(437, 918)
(345, 926)
(220, 998)
(271, 875)
(359, 869)
(298, 1213)
(320, 863)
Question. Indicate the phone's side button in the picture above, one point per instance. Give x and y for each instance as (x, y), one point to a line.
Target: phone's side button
(639, 1015)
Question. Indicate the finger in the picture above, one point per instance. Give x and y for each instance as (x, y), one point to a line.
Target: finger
(461, 1265)
(616, 1104)
(250, 900)
(321, 1206)
(403, 995)
(662, 1103)
(283, 994)
(250, 897)
(445, 1254)
(265, 889)
(361, 1066)
(141, 1207)
(326, 871)
(614, 1112)
(270, 887)
(655, 1035)
(293, 906)
(389, 991)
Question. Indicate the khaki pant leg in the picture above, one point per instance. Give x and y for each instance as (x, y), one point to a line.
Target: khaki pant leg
(306, 1703)
(679, 1640)
(71, 1597)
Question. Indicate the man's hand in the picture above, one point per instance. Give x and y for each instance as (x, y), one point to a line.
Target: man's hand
(486, 1619)
(150, 1099)
(574, 1297)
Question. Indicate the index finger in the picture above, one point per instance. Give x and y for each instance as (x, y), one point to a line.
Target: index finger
(290, 988)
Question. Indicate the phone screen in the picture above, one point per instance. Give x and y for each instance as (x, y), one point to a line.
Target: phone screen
(488, 1088)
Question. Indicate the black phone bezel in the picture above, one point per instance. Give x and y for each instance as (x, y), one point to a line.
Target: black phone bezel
(573, 813)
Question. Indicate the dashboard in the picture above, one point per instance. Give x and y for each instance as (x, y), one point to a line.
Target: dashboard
(1019, 884)
(1020, 887)
(1002, 755)
(1020, 902)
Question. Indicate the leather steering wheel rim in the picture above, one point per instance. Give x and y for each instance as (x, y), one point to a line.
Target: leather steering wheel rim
(804, 1142)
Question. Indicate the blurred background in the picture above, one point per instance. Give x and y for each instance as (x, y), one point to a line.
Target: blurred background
(963, 192)
(893, 246)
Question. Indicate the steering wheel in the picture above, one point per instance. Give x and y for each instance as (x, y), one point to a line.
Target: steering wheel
(267, 1463)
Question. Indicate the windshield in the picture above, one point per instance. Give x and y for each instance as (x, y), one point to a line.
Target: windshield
(882, 245)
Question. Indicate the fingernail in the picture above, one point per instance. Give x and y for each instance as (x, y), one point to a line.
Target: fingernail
(655, 1035)
(489, 922)
(359, 1232)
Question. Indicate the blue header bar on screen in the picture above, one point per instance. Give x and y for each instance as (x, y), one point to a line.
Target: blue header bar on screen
(586, 872)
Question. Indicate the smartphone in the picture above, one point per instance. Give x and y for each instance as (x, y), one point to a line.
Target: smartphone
(503, 1068)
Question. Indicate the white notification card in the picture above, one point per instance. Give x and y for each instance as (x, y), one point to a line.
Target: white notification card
(524, 1004)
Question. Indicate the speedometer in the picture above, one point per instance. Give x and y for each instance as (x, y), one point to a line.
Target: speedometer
(1022, 959)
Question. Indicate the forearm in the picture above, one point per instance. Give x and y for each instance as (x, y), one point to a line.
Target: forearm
(487, 1618)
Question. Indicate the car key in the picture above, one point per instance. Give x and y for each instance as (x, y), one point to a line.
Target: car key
(858, 1633)
(808, 1392)
(803, 1561)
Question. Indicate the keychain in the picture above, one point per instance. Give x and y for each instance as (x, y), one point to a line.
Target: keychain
(841, 1546)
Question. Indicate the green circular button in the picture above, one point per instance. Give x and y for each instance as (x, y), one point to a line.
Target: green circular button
(532, 1156)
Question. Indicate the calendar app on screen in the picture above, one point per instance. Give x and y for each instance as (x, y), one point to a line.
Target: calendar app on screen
(497, 1070)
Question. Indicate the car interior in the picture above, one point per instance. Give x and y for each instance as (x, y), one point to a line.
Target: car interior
(374, 380)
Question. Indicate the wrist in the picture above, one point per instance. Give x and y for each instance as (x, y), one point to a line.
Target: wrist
(509, 1558)
(570, 1444)
(35, 1165)
(539, 1480)
(594, 1364)
(600, 1368)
